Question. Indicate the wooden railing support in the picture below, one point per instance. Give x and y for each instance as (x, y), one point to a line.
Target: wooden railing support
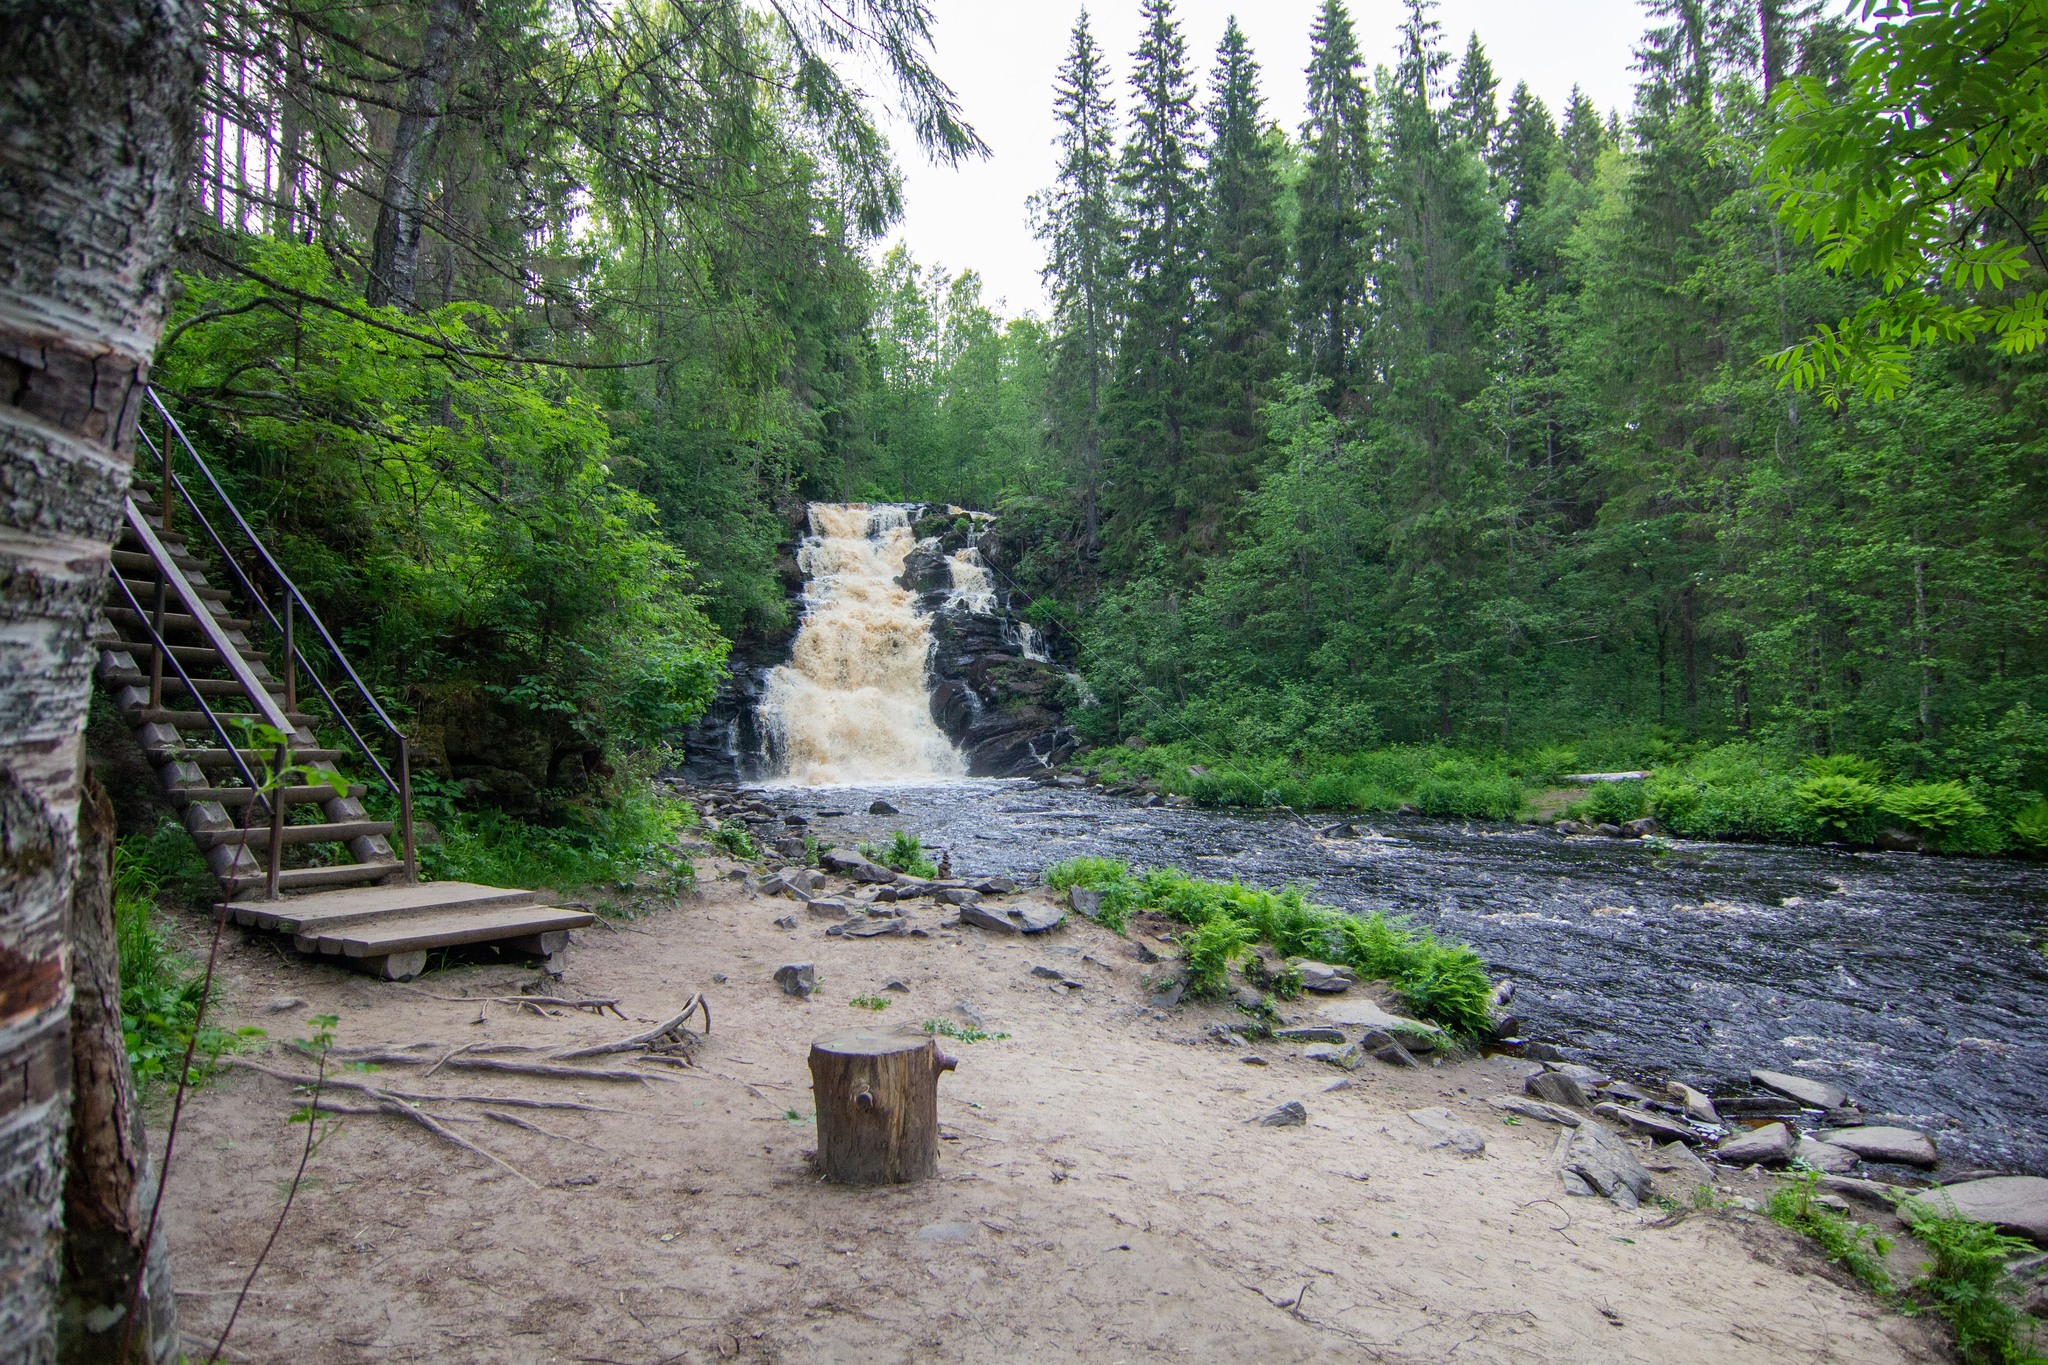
(412, 870)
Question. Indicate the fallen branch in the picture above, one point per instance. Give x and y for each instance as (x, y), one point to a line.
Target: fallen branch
(671, 1029)
(595, 1006)
(515, 1121)
(334, 1082)
(471, 1062)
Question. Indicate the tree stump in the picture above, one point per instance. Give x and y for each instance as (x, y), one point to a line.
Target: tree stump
(877, 1095)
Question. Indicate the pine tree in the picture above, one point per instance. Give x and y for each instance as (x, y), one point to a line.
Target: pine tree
(1149, 416)
(1083, 233)
(1474, 115)
(1332, 224)
(1244, 312)
(1522, 164)
(1584, 137)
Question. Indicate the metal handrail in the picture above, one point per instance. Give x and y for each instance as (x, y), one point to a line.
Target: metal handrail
(294, 605)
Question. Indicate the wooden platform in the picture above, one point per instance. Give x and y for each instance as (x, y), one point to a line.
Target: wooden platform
(389, 930)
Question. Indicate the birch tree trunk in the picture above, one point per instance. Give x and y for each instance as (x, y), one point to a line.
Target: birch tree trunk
(395, 249)
(96, 105)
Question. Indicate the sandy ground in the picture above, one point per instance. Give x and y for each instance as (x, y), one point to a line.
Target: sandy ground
(1101, 1197)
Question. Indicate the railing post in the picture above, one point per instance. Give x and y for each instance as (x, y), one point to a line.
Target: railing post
(412, 871)
(291, 660)
(161, 645)
(166, 452)
(276, 801)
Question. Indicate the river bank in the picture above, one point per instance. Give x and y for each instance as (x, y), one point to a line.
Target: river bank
(1102, 1193)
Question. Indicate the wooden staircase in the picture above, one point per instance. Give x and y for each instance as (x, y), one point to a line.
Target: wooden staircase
(300, 856)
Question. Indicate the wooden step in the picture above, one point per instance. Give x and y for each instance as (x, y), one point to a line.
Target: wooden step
(184, 654)
(259, 835)
(135, 550)
(236, 797)
(207, 687)
(219, 758)
(145, 591)
(173, 620)
(299, 878)
(441, 929)
(196, 720)
(329, 911)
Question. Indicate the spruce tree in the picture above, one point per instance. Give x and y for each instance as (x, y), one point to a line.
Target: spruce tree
(1522, 164)
(1083, 232)
(1474, 114)
(1332, 223)
(1584, 137)
(1244, 312)
(1149, 414)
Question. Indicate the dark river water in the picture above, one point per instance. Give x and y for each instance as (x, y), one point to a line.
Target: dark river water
(1917, 984)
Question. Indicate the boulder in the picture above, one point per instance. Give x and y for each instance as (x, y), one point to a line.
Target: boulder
(1643, 828)
(1813, 1094)
(1694, 1102)
(1025, 917)
(1825, 1156)
(1906, 1146)
(848, 863)
(786, 922)
(882, 808)
(1554, 1087)
(1591, 1078)
(799, 979)
(996, 886)
(829, 909)
(1346, 1055)
(1082, 901)
(1309, 1033)
(1387, 1048)
(1650, 1124)
(1171, 996)
(2014, 1204)
(1679, 1167)
(957, 895)
(1361, 1011)
(1325, 978)
(1292, 1114)
(1528, 1108)
(1595, 1161)
(862, 927)
(1445, 1130)
(1770, 1145)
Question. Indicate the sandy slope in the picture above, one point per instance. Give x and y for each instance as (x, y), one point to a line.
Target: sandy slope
(1115, 1205)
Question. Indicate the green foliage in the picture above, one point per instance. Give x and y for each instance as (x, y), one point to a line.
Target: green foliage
(904, 853)
(623, 836)
(1855, 1246)
(160, 986)
(876, 1003)
(1614, 803)
(1936, 809)
(1211, 948)
(963, 1033)
(1096, 874)
(735, 838)
(1435, 780)
(1838, 806)
(2030, 828)
(1967, 1284)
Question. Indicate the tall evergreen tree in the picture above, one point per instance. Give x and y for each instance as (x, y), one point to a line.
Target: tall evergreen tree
(1332, 223)
(1474, 113)
(1083, 233)
(1522, 164)
(1583, 138)
(1244, 312)
(1149, 419)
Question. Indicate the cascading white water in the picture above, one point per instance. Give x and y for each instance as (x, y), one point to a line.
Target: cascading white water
(851, 704)
(973, 588)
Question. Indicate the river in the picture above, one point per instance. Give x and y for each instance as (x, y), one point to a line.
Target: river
(1915, 983)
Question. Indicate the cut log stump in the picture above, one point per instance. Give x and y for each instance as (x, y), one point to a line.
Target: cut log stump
(877, 1095)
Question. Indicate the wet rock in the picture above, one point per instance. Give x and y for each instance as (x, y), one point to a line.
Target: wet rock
(1652, 1125)
(1503, 992)
(1554, 1087)
(1345, 1055)
(1899, 841)
(1770, 1145)
(1813, 1094)
(1825, 1156)
(1603, 1164)
(1757, 1106)
(1310, 1033)
(882, 808)
(1906, 1146)
(1528, 1108)
(1571, 827)
(1153, 801)
(1445, 1130)
(1325, 978)
(1610, 831)
(2014, 1204)
(1025, 917)
(1694, 1102)
(1343, 829)
(1387, 1048)
(1292, 1114)
(798, 978)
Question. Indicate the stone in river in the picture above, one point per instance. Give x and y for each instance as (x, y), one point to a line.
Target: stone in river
(1770, 1145)
(1025, 917)
(1817, 1094)
(1325, 978)
(1653, 1125)
(1445, 1131)
(1695, 1103)
(1554, 1087)
(1906, 1146)
(2014, 1204)
(1289, 1115)
(798, 979)
(1825, 1156)
(1309, 1034)
(882, 808)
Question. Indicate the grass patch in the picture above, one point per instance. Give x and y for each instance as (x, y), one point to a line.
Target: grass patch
(963, 1033)
(1854, 1246)
(869, 1002)
(903, 853)
(160, 985)
(1445, 983)
(618, 841)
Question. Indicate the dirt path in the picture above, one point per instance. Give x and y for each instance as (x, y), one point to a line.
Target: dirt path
(1102, 1197)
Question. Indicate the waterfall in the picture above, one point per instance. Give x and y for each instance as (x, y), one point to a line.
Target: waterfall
(851, 704)
(973, 588)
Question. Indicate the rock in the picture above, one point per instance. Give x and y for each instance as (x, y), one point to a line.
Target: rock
(1655, 1126)
(1052, 973)
(1813, 1094)
(2014, 1204)
(283, 1003)
(829, 909)
(1770, 1145)
(1570, 827)
(1609, 831)
(1341, 830)
(1387, 1048)
(951, 1234)
(786, 922)
(1694, 1102)
(1405, 809)
(1899, 841)
(1168, 998)
(1541, 1052)
(1309, 1033)
(869, 928)
(956, 895)
(1325, 978)
(1643, 828)
(1602, 1163)
(896, 984)
(1529, 1108)
(1292, 1114)
(1254, 1059)
(1554, 1087)
(1153, 801)
(782, 884)
(1445, 1131)
(1361, 1011)
(1682, 1167)
(1082, 901)
(850, 864)
(882, 808)
(996, 886)
(1906, 1146)
(1503, 992)
(1757, 1106)
(1825, 1156)
(798, 979)
(1246, 998)
(1025, 917)
(1504, 1027)
(1875, 1193)
(1345, 1055)
(1622, 1090)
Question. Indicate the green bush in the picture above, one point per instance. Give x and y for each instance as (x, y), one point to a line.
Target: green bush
(1838, 806)
(1845, 765)
(613, 840)
(2030, 828)
(160, 986)
(1096, 874)
(1211, 947)
(1615, 803)
(903, 853)
(1966, 1283)
(1933, 808)
(1854, 1246)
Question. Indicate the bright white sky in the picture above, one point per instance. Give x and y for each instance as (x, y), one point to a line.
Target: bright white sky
(1001, 56)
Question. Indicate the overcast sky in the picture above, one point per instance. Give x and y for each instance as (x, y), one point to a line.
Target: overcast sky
(1001, 56)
